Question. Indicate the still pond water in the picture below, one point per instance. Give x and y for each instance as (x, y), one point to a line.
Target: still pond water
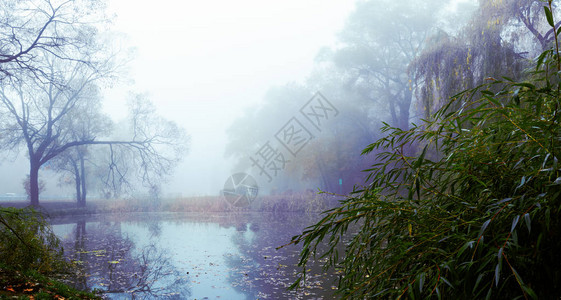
(190, 256)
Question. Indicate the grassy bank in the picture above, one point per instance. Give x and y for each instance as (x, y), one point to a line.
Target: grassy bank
(17, 284)
(31, 261)
(301, 203)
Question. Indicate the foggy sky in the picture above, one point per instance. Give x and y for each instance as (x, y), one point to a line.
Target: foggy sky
(202, 63)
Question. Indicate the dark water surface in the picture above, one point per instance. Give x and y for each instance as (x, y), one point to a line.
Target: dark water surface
(190, 256)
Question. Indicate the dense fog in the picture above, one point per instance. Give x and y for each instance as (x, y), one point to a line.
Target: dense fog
(229, 78)
(283, 150)
(172, 100)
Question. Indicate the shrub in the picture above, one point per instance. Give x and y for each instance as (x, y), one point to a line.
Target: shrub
(27, 242)
(474, 214)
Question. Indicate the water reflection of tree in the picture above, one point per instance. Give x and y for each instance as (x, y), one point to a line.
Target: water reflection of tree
(261, 271)
(108, 261)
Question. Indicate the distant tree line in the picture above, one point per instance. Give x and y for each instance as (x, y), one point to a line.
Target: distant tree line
(396, 62)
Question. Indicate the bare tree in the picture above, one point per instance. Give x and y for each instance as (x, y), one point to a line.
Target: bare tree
(73, 162)
(86, 123)
(59, 27)
(150, 162)
(51, 63)
(45, 115)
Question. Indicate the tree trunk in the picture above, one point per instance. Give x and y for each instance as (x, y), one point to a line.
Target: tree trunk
(83, 173)
(392, 104)
(34, 182)
(404, 107)
(77, 182)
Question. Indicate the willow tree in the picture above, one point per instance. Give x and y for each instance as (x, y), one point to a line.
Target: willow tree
(499, 41)
(480, 220)
(377, 46)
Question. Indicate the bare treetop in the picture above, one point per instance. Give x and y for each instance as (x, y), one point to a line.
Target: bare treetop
(62, 28)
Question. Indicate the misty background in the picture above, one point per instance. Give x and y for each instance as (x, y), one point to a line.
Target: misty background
(212, 66)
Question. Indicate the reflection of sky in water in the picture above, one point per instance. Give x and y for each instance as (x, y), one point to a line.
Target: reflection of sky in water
(219, 256)
(197, 248)
(64, 231)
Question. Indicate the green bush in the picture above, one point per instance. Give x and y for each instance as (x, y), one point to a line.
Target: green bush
(27, 242)
(473, 214)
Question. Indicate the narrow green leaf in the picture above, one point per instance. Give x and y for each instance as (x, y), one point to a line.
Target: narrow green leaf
(488, 297)
(483, 227)
(411, 292)
(508, 78)
(549, 16)
(500, 254)
(503, 201)
(492, 100)
(530, 292)
(418, 187)
(464, 247)
(447, 282)
(419, 161)
(514, 222)
(296, 284)
(526, 85)
(516, 97)
(541, 59)
(497, 274)
(528, 221)
(477, 282)
(522, 182)
(538, 243)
